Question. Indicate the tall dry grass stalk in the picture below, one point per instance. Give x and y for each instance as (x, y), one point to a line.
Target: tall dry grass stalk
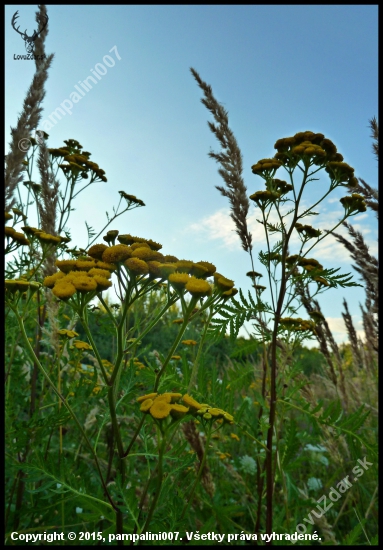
(29, 117)
(47, 205)
(230, 160)
(49, 194)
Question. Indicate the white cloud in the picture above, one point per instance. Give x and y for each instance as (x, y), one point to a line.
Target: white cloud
(338, 328)
(220, 226)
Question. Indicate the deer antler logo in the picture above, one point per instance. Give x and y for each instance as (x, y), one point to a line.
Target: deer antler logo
(29, 40)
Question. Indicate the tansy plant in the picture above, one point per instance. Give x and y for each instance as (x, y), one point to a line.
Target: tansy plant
(137, 268)
(281, 207)
(284, 207)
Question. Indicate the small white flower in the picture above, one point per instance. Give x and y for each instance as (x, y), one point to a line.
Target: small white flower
(323, 460)
(248, 464)
(78, 510)
(313, 483)
(315, 448)
(58, 485)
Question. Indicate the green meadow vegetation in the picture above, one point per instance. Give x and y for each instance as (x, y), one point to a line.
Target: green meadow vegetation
(139, 415)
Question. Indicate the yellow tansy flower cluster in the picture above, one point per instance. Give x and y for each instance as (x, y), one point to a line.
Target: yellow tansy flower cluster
(309, 264)
(78, 162)
(353, 203)
(308, 231)
(44, 237)
(297, 324)
(266, 166)
(308, 147)
(18, 238)
(189, 342)
(207, 412)
(82, 275)
(21, 285)
(139, 257)
(143, 257)
(68, 333)
(308, 144)
(131, 199)
(80, 345)
(262, 198)
(161, 406)
(223, 456)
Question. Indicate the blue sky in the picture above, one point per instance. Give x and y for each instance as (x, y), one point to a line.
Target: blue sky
(277, 70)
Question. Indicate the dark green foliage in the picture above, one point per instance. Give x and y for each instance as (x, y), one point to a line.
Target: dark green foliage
(309, 361)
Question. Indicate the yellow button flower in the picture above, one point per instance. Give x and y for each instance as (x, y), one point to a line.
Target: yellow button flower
(148, 396)
(116, 253)
(165, 397)
(166, 269)
(66, 265)
(193, 405)
(199, 270)
(96, 251)
(178, 411)
(198, 287)
(137, 266)
(79, 344)
(145, 405)
(102, 283)
(52, 279)
(178, 280)
(160, 409)
(64, 290)
(84, 284)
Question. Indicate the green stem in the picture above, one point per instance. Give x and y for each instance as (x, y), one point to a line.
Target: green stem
(120, 340)
(188, 312)
(273, 370)
(84, 321)
(134, 436)
(145, 492)
(66, 405)
(112, 317)
(201, 467)
(116, 428)
(195, 366)
(161, 449)
(169, 303)
(268, 262)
